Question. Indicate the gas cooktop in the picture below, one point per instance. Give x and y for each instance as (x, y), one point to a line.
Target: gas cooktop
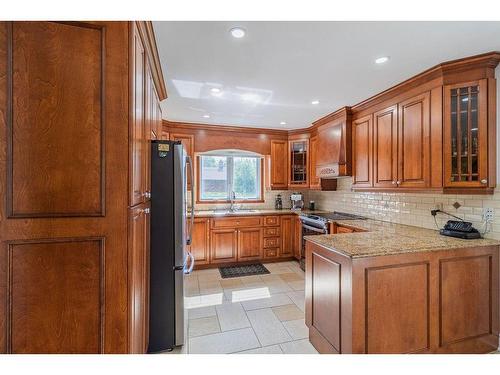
(335, 215)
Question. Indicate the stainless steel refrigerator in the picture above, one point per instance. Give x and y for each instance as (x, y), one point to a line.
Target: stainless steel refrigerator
(170, 261)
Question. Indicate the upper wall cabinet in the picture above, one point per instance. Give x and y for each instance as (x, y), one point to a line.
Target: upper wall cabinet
(279, 164)
(314, 180)
(396, 151)
(362, 153)
(298, 155)
(466, 135)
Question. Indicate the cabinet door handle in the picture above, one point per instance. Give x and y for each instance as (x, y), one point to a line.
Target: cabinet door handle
(398, 182)
(484, 181)
(147, 194)
(146, 211)
(394, 182)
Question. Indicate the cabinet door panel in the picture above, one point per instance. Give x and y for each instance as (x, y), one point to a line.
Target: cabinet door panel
(466, 134)
(223, 245)
(250, 243)
(385, 147)
(362, 152)
(414, 142)
(139, 278)
(315, 182)
(138, 137)
(200, 244)
(279, 164)
(287, 240)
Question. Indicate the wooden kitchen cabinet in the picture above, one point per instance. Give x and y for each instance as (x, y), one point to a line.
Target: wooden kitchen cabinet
(467, 137)
(223, 245)
(298, 169)
(385, 147)
(314, 180)
(187, 141)
(138, 136)
(250, 243)
(139, 223)
(297, 238)
(414, 142)
(200, 244)
(279, 164)
(287, 236)
(362, 153)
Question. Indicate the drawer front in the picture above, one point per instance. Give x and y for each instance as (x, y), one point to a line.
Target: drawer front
(271, 220)
(272, 232)
(271, 253)
(235, 222)
(271, 242)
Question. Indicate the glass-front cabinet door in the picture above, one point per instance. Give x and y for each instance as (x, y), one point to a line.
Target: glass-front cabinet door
(298, 175)
(465, 135)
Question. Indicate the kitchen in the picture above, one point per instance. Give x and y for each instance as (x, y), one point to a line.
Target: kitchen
(354, 220)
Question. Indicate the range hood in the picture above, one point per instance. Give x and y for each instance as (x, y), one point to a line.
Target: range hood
(333, 157)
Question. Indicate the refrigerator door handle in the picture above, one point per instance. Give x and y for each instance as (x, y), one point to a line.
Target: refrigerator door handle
(191, 266)
(191, 175)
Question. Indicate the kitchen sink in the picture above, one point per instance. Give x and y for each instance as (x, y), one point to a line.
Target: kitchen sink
(233, 212)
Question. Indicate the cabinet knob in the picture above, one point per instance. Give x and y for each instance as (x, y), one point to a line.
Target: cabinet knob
(394, 182)
(484, 181)
(398, 182)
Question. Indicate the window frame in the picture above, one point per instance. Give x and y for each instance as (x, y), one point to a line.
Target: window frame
(199, 200)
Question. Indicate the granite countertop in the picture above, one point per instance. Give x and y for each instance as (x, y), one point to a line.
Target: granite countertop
(384, 238)
(256, 212)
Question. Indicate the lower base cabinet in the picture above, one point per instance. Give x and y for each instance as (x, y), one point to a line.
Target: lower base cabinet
(424, 302)
(223, 245)
(240, 239)
(287, 235)
(249, 244)
(200, 244)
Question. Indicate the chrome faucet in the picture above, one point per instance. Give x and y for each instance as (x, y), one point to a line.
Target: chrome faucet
(232, 198)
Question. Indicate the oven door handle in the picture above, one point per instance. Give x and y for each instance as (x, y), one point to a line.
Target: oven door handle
(314, 229)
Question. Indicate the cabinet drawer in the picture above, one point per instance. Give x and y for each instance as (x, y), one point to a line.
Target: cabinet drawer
(271, 242)
(271, 220)
(235, 222)
(272, 232)
(271, 253)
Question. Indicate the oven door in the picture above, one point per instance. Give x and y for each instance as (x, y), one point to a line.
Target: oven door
(309, 230)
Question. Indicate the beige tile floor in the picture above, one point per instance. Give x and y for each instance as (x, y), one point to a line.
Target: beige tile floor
(253, 314)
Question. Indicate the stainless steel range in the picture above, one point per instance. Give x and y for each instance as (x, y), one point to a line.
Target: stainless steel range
(319, 224)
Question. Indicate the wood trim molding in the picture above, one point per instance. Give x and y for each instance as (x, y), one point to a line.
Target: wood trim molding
(147, 33)
(174, 125)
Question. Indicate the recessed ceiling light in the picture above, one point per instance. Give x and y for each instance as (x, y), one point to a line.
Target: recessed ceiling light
(315, 102)
(215, 90)
(206, 116)
(282, 123)
(382, 60)
(237, 32)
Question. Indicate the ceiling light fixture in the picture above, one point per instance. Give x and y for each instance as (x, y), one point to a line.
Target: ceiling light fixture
(315, 102)
(206, 116)
(215, 90)
(382, 60)
(237, 32)
(282, 123)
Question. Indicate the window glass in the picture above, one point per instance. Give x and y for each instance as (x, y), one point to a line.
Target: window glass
(221, 175)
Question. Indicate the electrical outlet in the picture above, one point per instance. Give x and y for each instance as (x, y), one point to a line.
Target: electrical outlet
(488, 214)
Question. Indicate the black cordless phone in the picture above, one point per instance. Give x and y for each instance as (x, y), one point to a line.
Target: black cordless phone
(460, 229)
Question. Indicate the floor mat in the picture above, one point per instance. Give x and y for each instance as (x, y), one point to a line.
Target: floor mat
(244, 270)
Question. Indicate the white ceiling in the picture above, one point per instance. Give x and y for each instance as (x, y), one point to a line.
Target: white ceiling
(278, 68)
